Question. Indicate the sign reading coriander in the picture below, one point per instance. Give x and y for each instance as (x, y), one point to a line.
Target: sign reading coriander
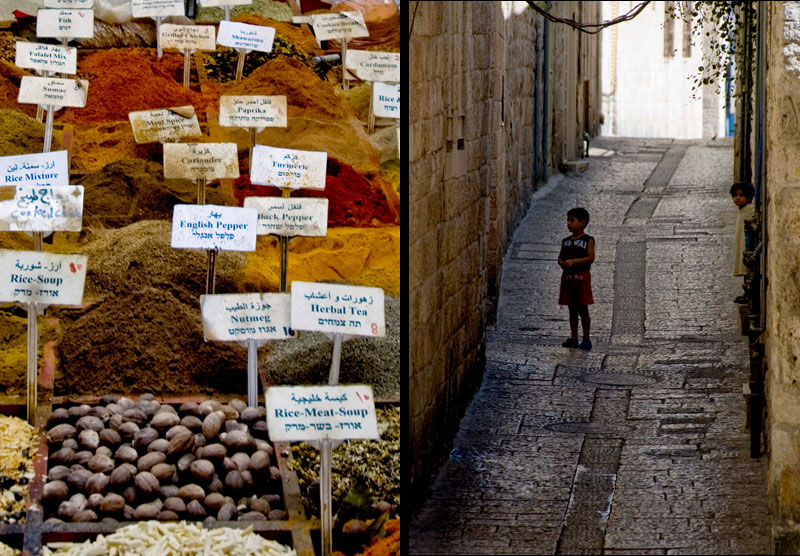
(214, 227)
(43, 209)
(374, 66)
(65, 23)
(164, 125)
(288, 168)
(53, 91)
(38, 277)
(386, 100)
(248, 37)
(46, 57)
(284, 216)
(338, 308)
(35, 169)
(318, 412)
(246, 316)
(252, 111)
(201, 160)
(344, 25)
(187, 37)
(157, 8)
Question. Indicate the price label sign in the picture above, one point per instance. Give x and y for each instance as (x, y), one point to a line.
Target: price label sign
(164, 125)
(337, 308)
(288, 168)
(247, 37)
(53, 91)
(343, 25)
(46, 57)
(285, 216)
(157, 8)
(187, 37)
(343, 412)
(252, 111)
(386, 100)
(43, 209)
(214, 227)
(65, 23)
(86, 4)
(374, 66)
(246, 316)
(35, 169)
(39, 277)
(201, 160)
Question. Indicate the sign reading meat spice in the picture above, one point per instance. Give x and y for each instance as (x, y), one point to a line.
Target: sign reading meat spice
(164, 124)
(46, 57)
(64, 24)
(43, 209)
(288, 168)
(251, 318)
(283, 216)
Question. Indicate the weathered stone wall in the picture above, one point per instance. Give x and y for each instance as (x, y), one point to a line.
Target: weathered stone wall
(783, 265)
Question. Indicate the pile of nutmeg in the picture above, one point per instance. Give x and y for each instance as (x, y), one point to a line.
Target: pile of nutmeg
(123, 460)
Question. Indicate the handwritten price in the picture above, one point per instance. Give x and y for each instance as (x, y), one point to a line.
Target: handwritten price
(75, 267)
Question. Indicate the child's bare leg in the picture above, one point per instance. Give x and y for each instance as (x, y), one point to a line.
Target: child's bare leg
(583, 310)
(573, 321)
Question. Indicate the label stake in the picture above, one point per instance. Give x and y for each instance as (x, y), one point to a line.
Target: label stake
(284, 244)
(252, 373)
(371, 117)
(240, 64)
(187, 70)
(158, 36)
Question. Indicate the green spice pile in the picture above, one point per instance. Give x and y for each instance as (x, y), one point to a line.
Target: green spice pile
(279, 11)
(18, 442)
(370, 465)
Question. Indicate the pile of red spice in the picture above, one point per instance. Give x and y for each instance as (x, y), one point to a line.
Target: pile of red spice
(354, 199)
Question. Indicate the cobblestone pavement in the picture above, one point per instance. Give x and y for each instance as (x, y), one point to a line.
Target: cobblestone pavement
(638, 446)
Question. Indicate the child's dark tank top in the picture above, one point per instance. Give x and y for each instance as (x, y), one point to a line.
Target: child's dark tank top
(576, 249)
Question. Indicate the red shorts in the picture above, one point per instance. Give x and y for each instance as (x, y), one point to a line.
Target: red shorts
(576, 289)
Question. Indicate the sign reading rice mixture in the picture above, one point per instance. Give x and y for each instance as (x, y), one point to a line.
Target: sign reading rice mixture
(65, 23)
(187, 37)
(39, 277)
(246, 316)
(164, 125)
(252, 111)
(338, 308)
(35, 169)
(43, 209)
(284, 216)
(288, 168)
(214, 227)
(46, 57)
(201, 160)
(54, 91)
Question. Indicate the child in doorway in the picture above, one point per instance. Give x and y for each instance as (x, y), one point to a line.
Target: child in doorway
(576, 257)
(742, 194)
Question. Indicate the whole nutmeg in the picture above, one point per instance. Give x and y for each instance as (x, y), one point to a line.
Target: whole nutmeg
(354, 526)
(216, 484)
(241, 460)
(199, 440)
(55, 490)
(107, 399)
(60, 415)
(127, 429)
(234, 481)
(145, 511)
(189, 408)
(247, 477)
(212, 424)
(67, 510)
(229, 465)
(115, 422)
(253, 516)
(60, 433)
(129, 494)
(84, 516)
(167, 515)
(78, 411)
(127, 512)
(213, 451)
(168, 491)
(123, 474)
(185, 462)
(191, 492)
(229, 412)
(58, 473)
(175, 504)
(382, 507)
(126, 403)
(144, 436)
(89, 422)
(177, 429)
(150, 459)
(250, 414)
(209, 406)
(82, 457)
(227, 512)
(77, 479)
(259, 461)
(259, 429)
(146, 482)
(94, 501)
(235, 426)
(114, 409)
(163, 471)
(260, 505)
(134, 415)
(70, 443)
(112, 502)
(202, 469)
(147, 397)
(158, 445)
(100, 464)
(126, 453)
(238, 405)
(109, 437)
(196, 509)
(148, 407)
(215, 500)
(168, 408)
(104, 451)
(164, 420)
(265, 446)
(277, 515)
(97, 483)
(274, 473)
(101, 413)
(181, 442)
(238, 440)
(192, 423)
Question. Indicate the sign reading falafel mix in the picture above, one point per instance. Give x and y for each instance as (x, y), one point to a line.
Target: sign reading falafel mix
(187, 37)
(338, 308)
(164, 124)
(43, 209)
(342, 25)
(318, 412)
(236, 317)
(69, 4)
(65, 23)
(252, 111)
(386, 100)
(157, 8)
(53, 91)
(374, 66)
(46, 57)
(288, 168)
(39, 277)
(284, 216)
(214, 227)
(247, 37)
(201, 160)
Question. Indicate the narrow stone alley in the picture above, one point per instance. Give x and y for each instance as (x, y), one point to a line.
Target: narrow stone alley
(639, 445)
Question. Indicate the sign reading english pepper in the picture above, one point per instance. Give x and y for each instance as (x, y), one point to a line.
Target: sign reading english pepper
(338, 308)
(39, 277)
(214, 227)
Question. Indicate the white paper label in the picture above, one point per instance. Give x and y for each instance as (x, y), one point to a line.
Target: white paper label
(50, 90)
(246, 316)
(65, 23)
(338, 308)
(242, 35)
(343, 412)
(187, 37)
(85, 4)
(35, 169)
(374, 66)
(201, 160)
(284, 216)
(301, 19)
(288, 168)
(39, 277)
(214, 227)
(386, 100)
(252, 111)
(43, 209)
(164, 125)
(223, 3)
(344, 25)
(46, 57)
(157, 8)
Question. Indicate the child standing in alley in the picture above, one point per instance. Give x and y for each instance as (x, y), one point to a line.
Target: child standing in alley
(742, 194)
(576, 257)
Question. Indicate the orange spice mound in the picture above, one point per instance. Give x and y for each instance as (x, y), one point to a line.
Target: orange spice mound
(301, 86)
(129, 79)
(301, 37)
(389, 545)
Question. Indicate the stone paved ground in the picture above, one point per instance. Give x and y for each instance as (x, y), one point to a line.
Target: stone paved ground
(639, 446)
